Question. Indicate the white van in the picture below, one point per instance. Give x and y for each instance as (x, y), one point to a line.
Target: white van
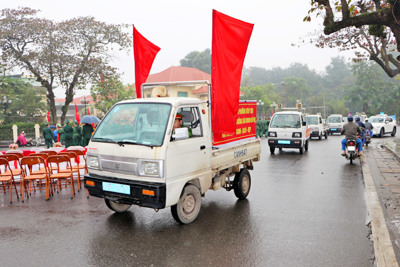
(288, 129)
(335, 123)
(318, 126)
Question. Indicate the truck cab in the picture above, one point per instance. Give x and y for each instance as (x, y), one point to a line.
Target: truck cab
(288, 129)
(317, 125)
(335, 123)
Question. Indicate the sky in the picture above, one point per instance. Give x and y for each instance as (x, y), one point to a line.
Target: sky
(180, 27)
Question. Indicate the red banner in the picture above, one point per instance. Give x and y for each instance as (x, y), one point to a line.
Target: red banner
(144, 52)
(230, 38)
(245, 125)
(77, 118)
(48, 117)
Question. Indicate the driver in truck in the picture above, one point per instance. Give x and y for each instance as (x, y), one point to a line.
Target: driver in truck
(178, 121)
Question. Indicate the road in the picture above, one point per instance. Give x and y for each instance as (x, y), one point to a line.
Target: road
(303, 210)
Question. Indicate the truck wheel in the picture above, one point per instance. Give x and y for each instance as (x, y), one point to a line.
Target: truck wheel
(320, 136)
(301, 149)
(306, 146)
(394, 131)
(326, 135)
(117, 207)
(242, 184)
(188, 206)
(381, 133)
(272, 149)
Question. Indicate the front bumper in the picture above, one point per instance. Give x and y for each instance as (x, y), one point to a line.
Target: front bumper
(314, 134)
(284, 143)
(138, 191)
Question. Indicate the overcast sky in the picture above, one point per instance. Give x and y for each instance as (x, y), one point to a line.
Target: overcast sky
(180, 27)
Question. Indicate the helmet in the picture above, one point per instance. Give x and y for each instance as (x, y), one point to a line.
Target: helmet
(350, 118)
(357, 118)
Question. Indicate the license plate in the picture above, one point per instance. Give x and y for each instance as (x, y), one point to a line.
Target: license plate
(117, 188)
(333, 129)
(284, 142)
(351, 148)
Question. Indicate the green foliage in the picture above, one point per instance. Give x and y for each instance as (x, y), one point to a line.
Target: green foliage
(377, 30)
(110, 91)
(198, 60)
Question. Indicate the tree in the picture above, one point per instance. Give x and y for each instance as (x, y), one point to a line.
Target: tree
(198, 60)
(70, 53)
(349, 20)
(110, 91)
(263, 94)
(368, 89)
(25, 101)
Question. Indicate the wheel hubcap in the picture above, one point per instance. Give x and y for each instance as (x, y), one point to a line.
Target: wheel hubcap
(188, 204)
(245, 184)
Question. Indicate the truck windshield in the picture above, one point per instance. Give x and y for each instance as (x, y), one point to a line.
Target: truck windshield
(285, 121)
(134, 123)
(312, 120)
(334, 120)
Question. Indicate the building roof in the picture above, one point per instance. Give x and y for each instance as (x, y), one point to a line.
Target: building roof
(175, 74)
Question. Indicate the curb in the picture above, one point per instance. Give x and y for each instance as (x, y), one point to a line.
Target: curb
(383, 247)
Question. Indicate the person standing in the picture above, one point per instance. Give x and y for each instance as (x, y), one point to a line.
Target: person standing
(68, 134)
(77, 134)
(48, 136)
(87, 130)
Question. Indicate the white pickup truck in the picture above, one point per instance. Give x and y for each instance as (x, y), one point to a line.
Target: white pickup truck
(136, 157)
(318, 127)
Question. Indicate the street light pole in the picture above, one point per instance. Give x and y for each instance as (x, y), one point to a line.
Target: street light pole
(85, 101)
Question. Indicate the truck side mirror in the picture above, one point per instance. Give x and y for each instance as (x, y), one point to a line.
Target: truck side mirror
(304, 123)
(180, 134)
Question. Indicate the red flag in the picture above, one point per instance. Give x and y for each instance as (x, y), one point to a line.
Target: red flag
(77, 118)
(144, 52)
(58, 135)
(230, 38)
(48, 117)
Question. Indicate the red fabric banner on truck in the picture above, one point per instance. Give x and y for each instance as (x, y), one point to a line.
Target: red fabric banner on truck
(144, 52)
(230, 38)
(245, 125)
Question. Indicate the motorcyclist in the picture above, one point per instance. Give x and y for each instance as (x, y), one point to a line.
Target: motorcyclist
(362, 125)
(350, 130)
(368, 127)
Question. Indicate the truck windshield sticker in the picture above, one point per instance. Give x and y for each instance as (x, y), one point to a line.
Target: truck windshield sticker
(134, 123)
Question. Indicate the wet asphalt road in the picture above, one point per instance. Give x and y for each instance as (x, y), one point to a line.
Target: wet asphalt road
(303, 210)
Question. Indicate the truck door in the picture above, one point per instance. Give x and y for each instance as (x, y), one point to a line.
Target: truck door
(192, 155)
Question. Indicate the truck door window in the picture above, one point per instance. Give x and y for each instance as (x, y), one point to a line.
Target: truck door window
(191, 120)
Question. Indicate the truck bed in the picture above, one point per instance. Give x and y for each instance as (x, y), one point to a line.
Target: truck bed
(224, 158)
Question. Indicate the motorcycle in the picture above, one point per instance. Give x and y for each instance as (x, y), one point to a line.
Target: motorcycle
(367, 138)
(351, 150)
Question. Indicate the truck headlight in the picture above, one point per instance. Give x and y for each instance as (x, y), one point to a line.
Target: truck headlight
(153, 168)
(272, 134)
(92, 162)
(298, 135)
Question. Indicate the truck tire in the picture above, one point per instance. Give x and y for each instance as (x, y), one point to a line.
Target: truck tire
(117, 207)
(394, 131)
(326, 135)
(382, 132)
(272, 149)
(320, 136)
(301, 149)
(188, 207)
(242, 184)
(306, 146)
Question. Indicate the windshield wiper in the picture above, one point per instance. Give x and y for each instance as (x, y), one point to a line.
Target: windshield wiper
(121, 143)
(102, 139)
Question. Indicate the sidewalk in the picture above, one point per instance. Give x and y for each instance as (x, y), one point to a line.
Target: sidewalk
(381, 162)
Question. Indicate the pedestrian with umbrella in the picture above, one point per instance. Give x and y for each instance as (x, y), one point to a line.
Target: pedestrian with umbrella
(87, 130)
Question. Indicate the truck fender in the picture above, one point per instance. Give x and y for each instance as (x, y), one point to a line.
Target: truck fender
(175, 192)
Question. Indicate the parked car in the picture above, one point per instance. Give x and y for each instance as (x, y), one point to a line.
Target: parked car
(383, 124)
